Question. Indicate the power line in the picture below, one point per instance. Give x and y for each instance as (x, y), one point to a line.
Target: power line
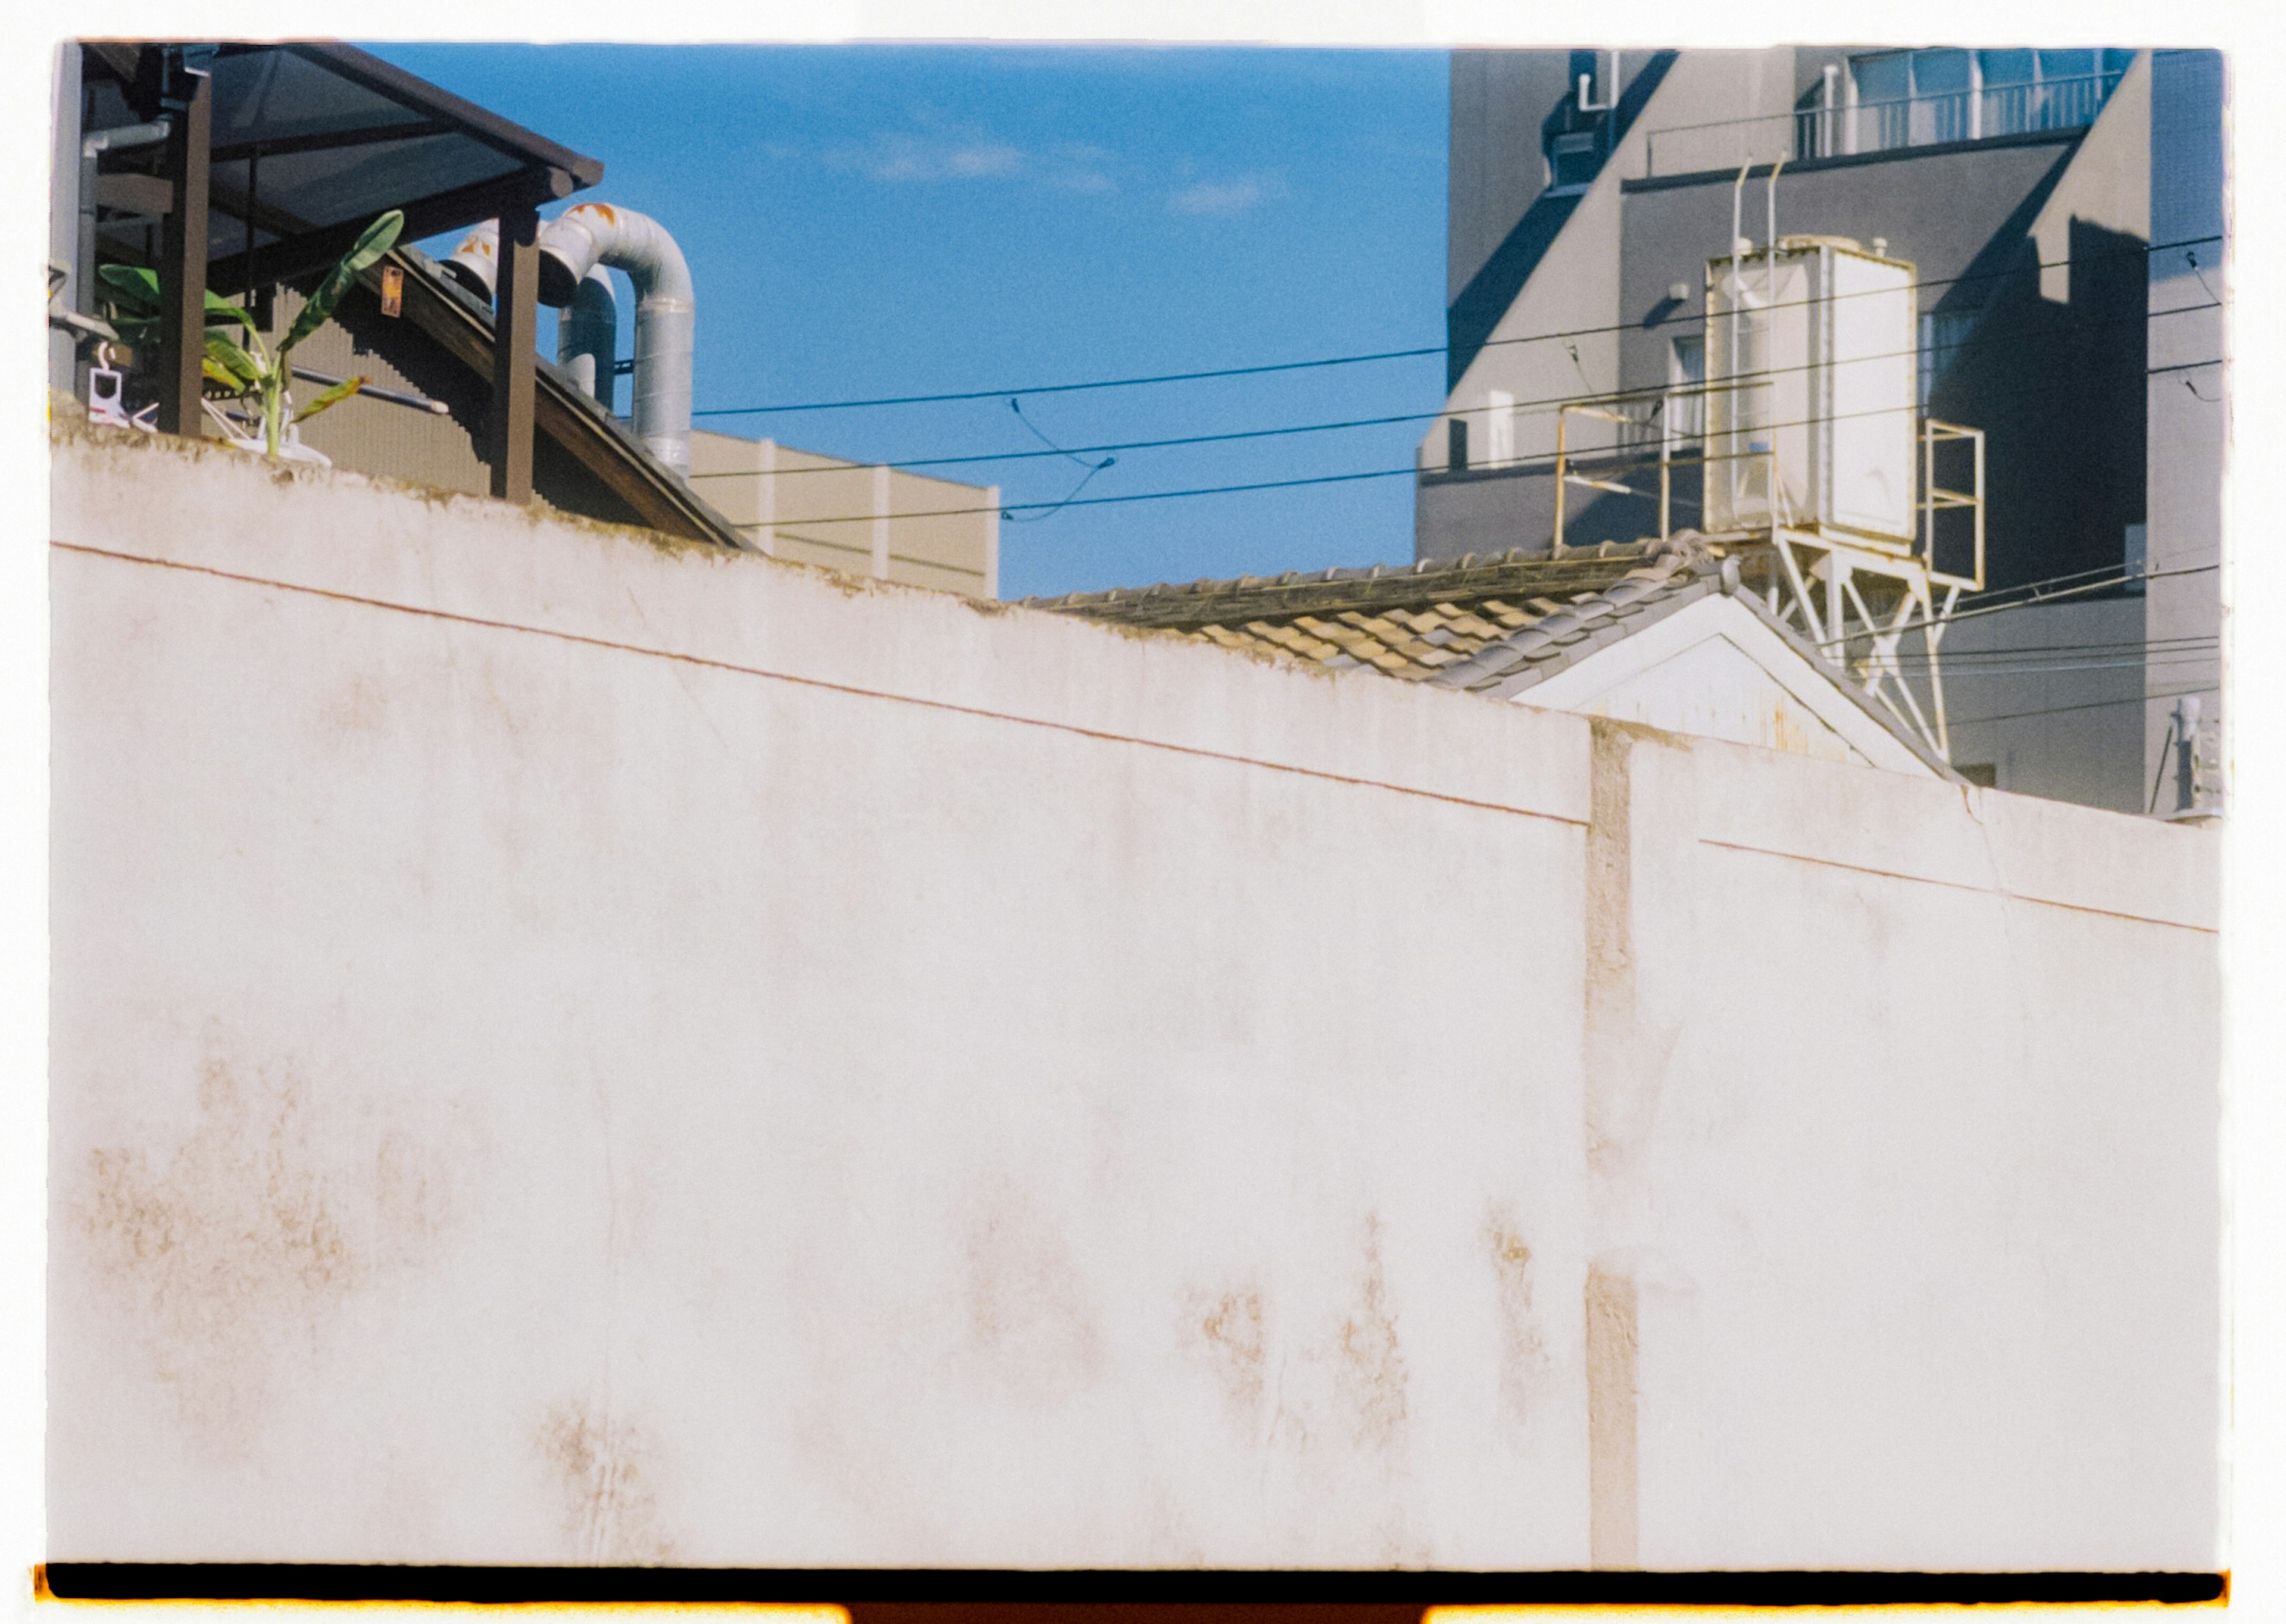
(1391, 473)
(1536, 407)
(2092, 705)
(2039, 601)
(1998, 662)
(1391, 355)
(1187, 439)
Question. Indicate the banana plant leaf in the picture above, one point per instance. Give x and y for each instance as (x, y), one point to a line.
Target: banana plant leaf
(237, 366)
(333, 397)
(376, 240)
(136, 287)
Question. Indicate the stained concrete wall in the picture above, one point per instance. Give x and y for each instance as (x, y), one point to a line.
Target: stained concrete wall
(569, 1047)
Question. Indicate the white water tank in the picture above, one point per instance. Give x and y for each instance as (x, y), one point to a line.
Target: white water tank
(1810, 355)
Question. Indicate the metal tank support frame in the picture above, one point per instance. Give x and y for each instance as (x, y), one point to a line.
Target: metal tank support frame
(1855, 595)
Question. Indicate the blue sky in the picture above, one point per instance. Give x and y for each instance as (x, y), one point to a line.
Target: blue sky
(890, 220)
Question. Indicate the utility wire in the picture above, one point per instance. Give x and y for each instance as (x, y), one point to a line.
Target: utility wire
(1393, 355)
(1535, 408)
(1392, 473)
(1094, 468)
(2120, 579)
(2092, 705)
(1988, 661)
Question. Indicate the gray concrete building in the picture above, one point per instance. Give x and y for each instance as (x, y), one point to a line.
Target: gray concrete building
(2063, 216)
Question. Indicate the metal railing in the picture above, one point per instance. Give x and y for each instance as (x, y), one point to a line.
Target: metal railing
(1878, 126)
(1936, 500)
(1657, 430)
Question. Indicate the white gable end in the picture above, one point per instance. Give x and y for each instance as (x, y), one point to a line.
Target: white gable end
(1713, 668)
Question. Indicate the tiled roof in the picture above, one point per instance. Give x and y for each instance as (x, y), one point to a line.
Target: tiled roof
(1469, 624)
(1495, 627)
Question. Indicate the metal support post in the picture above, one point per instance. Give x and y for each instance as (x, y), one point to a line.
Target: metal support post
(1665, 478)
(183, 261)
(516, 319)
(1556, 548)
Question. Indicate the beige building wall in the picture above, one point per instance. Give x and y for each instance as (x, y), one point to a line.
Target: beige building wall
(859, 518)
(568, 1047)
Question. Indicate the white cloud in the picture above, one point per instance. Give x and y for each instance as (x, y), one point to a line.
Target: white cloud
(897, 157)
(937, 153)
(1227, 197)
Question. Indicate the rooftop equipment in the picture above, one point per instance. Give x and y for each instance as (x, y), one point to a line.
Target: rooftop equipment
(574, 250)
(588, 337)
(1820, 474)
(592, 234)
(1812, 384)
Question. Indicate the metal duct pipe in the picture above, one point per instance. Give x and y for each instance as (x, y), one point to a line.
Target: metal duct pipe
(475, 264)
(588, 336)
(582, 238)
(91, 149)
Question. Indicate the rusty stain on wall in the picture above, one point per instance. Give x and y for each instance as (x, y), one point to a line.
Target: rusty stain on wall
(1616, 1122)
(1228, 1325)
(1610, 978)
(1369, 1370)
(1612, 1496)
(605, 1470)
(1524, 1361)
(250, 1231)
(1026, 1302)
(361, 705)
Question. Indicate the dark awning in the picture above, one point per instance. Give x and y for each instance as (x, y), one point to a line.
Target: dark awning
(311, 141)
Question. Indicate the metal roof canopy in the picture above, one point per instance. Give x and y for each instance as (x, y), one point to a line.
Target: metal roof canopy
(324, 138)
(312, 140)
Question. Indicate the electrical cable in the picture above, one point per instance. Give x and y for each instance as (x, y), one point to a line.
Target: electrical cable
(1094, 468)
(1536, 408)
(2092, 705)
(1391, 355)
(1273, 485)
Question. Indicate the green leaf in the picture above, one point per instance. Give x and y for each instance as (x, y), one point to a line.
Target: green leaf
(217, 305)
(339, 392)
(241, 369)
(377, 240)
(135, 287)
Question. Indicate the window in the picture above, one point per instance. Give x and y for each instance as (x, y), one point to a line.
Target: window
(1686, 370)
(1919, 97)
(1499, 428)
(1943, 335)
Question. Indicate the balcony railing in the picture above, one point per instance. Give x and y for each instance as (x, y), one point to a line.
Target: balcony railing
(1880, 126)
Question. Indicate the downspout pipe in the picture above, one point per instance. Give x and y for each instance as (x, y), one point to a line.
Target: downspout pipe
(90, 150)
(588, 336)
(592, 234)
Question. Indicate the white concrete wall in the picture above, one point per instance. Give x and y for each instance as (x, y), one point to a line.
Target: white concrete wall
(571, 1048)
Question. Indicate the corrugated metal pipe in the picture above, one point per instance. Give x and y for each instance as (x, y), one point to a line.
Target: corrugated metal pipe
(591, 234)
(588, 337)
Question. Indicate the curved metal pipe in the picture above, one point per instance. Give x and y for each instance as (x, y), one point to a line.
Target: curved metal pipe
(589, 234)
(475, 264)
(588, 336)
